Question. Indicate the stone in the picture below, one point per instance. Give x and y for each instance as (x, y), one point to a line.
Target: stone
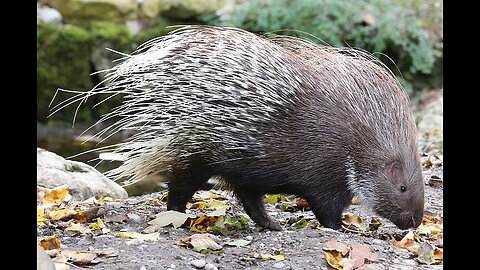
(278, 265)
(43, 260)
(82, 180)
(200, 264)
(48, 15)
(430, 118)
(210, 266)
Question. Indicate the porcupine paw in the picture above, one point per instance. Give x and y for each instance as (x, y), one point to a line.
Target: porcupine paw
(274, 225)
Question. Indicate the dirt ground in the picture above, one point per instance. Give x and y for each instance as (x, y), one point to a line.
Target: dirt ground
(302, 247)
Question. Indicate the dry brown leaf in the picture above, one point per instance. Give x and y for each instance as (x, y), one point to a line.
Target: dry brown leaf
(80, 257)
(49, 242)
(302, 203)
(202, 223)
(354, 222)
(337, 246)
(361, 252)
(202, 241)
(333, 259)
(87, 214)
(407, 242)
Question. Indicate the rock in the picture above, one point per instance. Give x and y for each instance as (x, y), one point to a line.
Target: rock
(200, 264)
(181, 9)
(83, 181)
(278, 265)
(43, 260)
(373, 266)
(430, 118)
(210, 266)
(48, 15)
(81, 12)
(249, 238)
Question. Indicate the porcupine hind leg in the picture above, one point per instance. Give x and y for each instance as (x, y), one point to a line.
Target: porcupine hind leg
(182, 185)
(253, 205)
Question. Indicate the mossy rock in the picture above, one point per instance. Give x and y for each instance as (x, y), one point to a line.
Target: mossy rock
(63, 56)
(82, 12)
(181, 9)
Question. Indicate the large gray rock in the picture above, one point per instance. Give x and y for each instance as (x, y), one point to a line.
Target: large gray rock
(48, 15)
(182, 9)
(43, 260)
(82, 180)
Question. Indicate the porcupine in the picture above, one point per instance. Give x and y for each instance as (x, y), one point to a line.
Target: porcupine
(267, 115)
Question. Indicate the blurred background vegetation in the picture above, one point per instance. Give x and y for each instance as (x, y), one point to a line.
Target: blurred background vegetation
(72, 37)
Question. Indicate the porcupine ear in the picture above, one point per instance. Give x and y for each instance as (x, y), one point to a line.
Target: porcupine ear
(393, 172)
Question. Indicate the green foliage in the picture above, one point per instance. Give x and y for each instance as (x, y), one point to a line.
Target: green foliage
(406, 31)
(63, 55)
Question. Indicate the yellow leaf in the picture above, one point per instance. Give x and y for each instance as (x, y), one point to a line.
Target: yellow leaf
(354, 221)
(215, 204)
(63, 214)
(57, 196)
(278, 257)
(145, 237)
(170, 217)
(41, 217)
(333, 259)
(76, 228)
(49, 242)
(99, 225)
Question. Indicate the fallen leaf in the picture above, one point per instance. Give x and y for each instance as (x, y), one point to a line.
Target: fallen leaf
(375, 223)
(275, 198)
(428, 254)
(302, 223)
(145, 237)
(57, 196)
(354, 222)
(200, 242)
(99, 225)
(216, 204)
(302, 203)
(337, 246)
(347, 264)
(107, 199)
(202, 223)
(77, 228)
(278, 257)
(238, 222)
(407, 242)
(170, 217)
(49, 242)
(361, 252)
(238, 243)
(41, 217)
(333, 259)
(108, 252)
(62, 214)
(218, 212)
(87, 214)
(80, 257)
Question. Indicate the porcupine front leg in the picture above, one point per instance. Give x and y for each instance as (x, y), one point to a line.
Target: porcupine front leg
(183, 185)
(255, 208)
(328, 211)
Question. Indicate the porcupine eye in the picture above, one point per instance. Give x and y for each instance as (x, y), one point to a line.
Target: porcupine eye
(403, 189)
